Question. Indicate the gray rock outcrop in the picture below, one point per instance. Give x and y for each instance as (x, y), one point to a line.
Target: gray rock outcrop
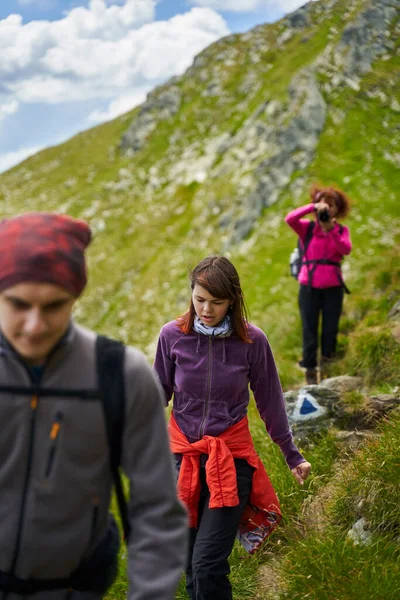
(315, 408)
(287, 137)
(311, 409)
(159, 106)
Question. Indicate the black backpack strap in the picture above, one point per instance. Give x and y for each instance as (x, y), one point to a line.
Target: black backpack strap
(309, 235)
(110, 373)
(321, 261)
(346, 289)
(305, 244)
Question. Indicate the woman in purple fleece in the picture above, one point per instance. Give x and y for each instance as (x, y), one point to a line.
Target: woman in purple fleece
(321, 282)
(206, 360)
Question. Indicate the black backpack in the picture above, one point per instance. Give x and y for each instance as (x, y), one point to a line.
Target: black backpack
(110, 373)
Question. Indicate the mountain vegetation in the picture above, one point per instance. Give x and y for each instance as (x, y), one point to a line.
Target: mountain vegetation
(211, 163)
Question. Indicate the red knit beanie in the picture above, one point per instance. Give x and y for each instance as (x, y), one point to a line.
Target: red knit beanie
(45, 248)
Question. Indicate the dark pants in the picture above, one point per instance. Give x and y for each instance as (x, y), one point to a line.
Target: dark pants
(212, 542)
(312, 302)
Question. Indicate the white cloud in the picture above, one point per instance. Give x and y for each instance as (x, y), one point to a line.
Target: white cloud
(41, 3)
(108, 51)
(120, 105)
(284, 6)
(8, 108)
(230, 5)
(9, 159)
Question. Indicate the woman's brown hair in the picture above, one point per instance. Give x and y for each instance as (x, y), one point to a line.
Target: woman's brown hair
(219, 277)
(318, 193)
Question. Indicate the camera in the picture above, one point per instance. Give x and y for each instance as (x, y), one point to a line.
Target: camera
(323, 215)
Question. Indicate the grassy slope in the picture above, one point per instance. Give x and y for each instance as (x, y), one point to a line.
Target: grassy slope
(131, 292)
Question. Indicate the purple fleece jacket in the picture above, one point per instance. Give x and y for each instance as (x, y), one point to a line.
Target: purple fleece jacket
(209, 379)
(331, 245)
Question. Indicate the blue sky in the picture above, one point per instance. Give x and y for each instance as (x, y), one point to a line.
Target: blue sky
(67, 65)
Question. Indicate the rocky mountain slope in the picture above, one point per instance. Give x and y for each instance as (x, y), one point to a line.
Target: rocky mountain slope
(286, 81)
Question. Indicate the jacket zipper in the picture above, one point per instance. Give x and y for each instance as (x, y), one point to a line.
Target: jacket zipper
(54, 432)
(34, 405)
(95, 514)
(203, 423)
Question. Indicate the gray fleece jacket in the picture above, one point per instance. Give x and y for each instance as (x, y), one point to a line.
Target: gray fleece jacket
(55, 494)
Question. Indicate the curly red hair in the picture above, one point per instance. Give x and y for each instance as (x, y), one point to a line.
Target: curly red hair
(342, 201)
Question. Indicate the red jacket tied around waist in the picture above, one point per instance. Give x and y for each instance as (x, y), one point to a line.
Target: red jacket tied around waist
(262, 513)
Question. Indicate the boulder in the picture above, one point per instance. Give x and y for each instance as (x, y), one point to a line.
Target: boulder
(342, 383)
(311, 409)
(359, 533)
(379, 405)
(299, 19)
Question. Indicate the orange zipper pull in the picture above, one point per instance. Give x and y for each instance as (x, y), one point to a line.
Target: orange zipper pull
(56, 425)
(34, 402)
(55, 428)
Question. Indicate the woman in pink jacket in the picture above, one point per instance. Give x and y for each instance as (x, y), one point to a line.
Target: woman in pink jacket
(321, 282)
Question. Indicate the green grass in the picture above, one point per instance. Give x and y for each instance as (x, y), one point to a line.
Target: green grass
(326, 564)
(371, 488)
(330, 567)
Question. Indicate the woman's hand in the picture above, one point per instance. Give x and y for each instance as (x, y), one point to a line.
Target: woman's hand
(321, 206)
(324, 207)
(301, 472)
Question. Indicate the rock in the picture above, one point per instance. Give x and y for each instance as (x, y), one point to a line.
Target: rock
(200, 61)
(317, 407)
(288, 137)
(356, 437)
(124, 173)
(394, 313)
(212, 90)
(396, 333)
(71, 182)
(359, 534)
(365, 39)
(161, 104)
(299, 19)
(311, 409)
(136, 136)
(284, 37)
(395, 105)
(379, 405)
(342, 383)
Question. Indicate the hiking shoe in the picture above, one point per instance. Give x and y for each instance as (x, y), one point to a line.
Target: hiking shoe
(311, 377)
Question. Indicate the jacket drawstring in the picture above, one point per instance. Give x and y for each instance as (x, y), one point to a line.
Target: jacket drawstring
(223, 348)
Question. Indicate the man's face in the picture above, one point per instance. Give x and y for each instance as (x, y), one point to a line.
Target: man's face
(34, 317)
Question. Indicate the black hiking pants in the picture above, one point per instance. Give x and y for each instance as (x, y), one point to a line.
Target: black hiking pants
(314, 302)
(212, 541)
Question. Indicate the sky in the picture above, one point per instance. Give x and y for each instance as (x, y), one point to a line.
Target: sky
(67, 65)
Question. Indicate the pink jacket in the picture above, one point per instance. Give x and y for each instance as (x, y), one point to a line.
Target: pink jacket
(331, 245)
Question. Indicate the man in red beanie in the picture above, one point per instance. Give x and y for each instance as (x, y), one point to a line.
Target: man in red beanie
(58, 540)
